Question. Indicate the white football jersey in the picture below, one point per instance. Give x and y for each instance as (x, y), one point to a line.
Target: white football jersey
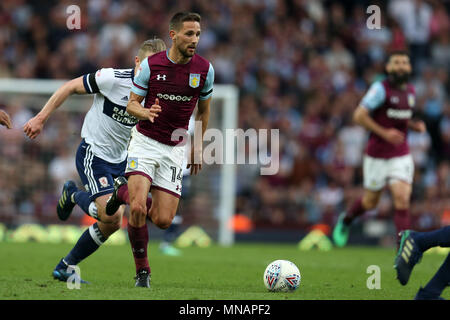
(107, 126)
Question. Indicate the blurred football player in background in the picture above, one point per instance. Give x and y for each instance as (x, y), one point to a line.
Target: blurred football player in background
(386, 111)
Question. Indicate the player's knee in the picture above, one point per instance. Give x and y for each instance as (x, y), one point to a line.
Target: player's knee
(369, 203)
(162, 222)
(138, 209)
(401, 202)
(113, 222)
(116, 224)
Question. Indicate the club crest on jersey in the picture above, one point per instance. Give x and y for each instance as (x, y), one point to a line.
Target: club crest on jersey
(194, 80)
(411, 100)
(132, 163)
(103, 182)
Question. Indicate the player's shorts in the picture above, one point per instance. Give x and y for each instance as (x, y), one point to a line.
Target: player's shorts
(158, 162)
(378, 171)
(97, 174)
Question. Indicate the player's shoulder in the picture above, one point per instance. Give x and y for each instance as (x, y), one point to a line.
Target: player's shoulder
(379, 85)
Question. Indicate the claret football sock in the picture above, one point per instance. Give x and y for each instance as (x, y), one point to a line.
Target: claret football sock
(355, 211)
(122, 194)
(401, 221)
(436, 238)
(139, 240)
(88, 243)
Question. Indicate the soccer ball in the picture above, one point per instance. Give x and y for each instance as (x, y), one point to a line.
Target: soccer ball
(282, 276)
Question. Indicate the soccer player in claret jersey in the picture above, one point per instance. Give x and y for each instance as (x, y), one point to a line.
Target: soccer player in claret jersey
(174, 81)
(102, 154)
(387, 112)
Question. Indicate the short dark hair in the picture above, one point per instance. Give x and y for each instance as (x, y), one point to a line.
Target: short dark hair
(177, 20)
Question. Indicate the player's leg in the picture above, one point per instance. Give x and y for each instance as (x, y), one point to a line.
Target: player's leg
(96, 175)
(412, 246)
(166, 246)
(71, 195)
(400, 176)
(367, 202)
(170, 234)
(164, 207)
(434, 288)
(401, 194)
(138, 188)
(120, 196)
(374, 176)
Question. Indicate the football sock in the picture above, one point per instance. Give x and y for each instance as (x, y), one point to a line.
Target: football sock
(88, 243)
(440, 280)
(356, 210)
(436, 238)
(401, 221)
(171, 232)
(123, 195)
(139, 240)
(83, 200)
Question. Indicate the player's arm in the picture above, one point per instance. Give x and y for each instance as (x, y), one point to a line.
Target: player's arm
(135, 108)
(138, 92)
(416, 123)
(203, 109)
(5, 120)
(34, 126)
(372, 100)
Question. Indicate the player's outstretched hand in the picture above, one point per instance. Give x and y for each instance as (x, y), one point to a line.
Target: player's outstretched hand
(154, 110)
(33, 127)
(394, 136)
(195, 162)
(5, 120)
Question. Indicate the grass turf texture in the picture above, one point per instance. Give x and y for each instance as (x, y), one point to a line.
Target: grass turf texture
(208, 273)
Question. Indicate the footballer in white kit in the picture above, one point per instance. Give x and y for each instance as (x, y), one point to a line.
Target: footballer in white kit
(102, 153)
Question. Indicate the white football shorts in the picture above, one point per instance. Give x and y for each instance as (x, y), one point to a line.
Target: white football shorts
(160, 163)
(378, 171)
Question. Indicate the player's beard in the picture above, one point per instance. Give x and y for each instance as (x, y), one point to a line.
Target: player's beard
(185, 52)
(399, 78)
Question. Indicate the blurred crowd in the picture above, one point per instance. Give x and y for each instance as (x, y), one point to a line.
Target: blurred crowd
(301, 66)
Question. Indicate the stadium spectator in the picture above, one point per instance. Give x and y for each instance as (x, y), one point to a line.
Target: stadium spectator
(300, 66)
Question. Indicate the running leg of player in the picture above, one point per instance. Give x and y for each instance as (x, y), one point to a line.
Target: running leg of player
(401, 193)
(91, 239)
(163, 209)
(138, 188)
(413, 245)
(367, 202)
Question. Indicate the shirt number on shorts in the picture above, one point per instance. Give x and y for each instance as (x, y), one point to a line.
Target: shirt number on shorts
(174, 173)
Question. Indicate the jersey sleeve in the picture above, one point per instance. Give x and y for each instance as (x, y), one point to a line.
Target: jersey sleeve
(207, 89)
(374, 97)
(140, 81)
(101, 81)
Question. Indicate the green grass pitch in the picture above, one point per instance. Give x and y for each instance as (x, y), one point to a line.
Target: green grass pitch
(211, 273)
